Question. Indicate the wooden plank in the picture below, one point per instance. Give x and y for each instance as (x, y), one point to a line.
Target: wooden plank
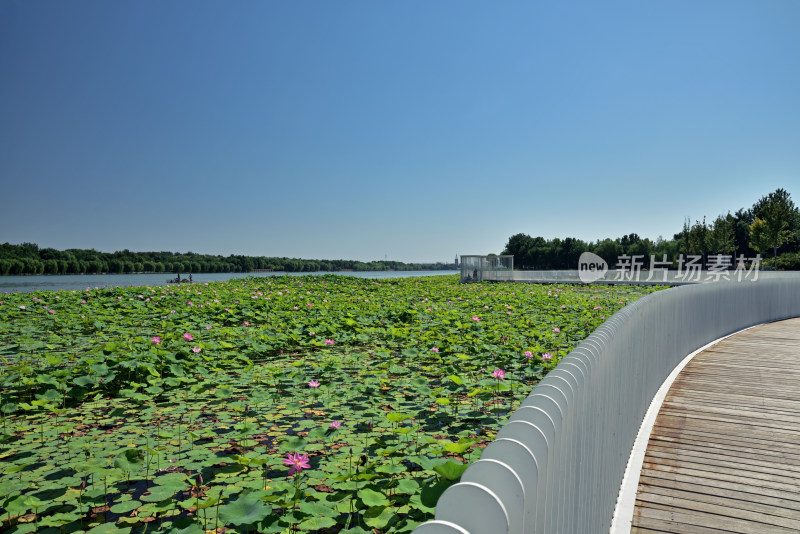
(688, 503)
(690, 522)
(722, 421)
(724, 454)
(702, 457)
(646, 524)
(693, 496)
(750, 441)
(727, 454)
(724, 475)
(733, 433)
(698, 479)
(734, 414)
(788, 506)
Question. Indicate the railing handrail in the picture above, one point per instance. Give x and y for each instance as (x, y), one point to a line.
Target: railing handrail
(569, 442)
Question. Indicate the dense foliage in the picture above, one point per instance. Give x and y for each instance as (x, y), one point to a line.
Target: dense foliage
(330, 404)
(771, 226)
(28, 258)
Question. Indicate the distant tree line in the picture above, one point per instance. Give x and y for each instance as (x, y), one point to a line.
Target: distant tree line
(770, 227)
(28, 258)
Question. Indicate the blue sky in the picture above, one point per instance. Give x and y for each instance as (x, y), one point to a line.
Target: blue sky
(409, 130)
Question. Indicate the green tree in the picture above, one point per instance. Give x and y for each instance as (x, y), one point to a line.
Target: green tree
(697, 239)
(760, 238)
(778, 218)
(721, 236)
(51, 266)
(17, 267)
(609, 250)
(741, 233)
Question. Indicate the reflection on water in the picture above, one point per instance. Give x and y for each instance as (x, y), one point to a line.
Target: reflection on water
(23, 284)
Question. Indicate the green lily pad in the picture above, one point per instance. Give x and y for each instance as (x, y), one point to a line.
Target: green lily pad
(293, 444)
(379, 517)
(158, 494)
(125, 507)
(451, 470)
(317, 523)
(372, 497)
(109, 528)
(246, 509)
(130, 460)
(191, 528)
(430, 494)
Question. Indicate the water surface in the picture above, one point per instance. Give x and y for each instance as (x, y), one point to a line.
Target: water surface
(25, 284)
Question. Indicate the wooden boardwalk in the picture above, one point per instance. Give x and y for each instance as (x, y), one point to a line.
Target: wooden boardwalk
(724, 454)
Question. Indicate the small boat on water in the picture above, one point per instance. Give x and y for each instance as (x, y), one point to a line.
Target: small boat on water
(177, 280)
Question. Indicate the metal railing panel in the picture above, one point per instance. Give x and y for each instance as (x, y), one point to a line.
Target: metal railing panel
(587, 412)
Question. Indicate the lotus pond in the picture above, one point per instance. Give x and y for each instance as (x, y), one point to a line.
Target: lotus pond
(326, 404)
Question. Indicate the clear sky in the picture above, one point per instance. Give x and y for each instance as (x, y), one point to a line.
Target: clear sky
(412, 130)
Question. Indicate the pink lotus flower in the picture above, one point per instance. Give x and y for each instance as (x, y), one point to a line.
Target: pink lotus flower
(476, 319)
(208, 327)
(155, 340)
(329, 342)
(499, 374)
(247, 323)
(597, 308)
(335, 424)
(313, 383)
(547, 356)
(22, 308)
(196, 349)
(50, 311)
(296, 462)
(188, 337)
(556, 330)
(528, 354)
(435, 349)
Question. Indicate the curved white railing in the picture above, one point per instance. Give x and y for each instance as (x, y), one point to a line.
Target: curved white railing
(557, 465)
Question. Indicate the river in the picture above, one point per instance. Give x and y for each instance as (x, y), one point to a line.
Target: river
(24, 284)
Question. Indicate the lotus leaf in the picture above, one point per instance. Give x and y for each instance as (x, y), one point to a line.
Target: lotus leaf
(246, 509)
